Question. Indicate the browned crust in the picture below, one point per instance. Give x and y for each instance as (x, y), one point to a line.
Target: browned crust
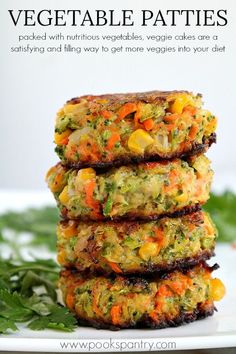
(196, 148)
(153, 269)
(203, 310)
(180, 264)
(137, 279)
(127, 226)
(122, 98)
(136, 216)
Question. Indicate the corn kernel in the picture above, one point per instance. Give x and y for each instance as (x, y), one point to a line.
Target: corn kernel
(149, 249)
(55, 179)
(139, 141)
(102, 101)
(61, 257)
(69, 108)
(80, 108)
(217, 289)
(50, 172)
(86, 173)
(60, 113)
(209, 226)
(211, 126)
(180, 102)
(64, 196)
(182, 198)
(69, 230)
(59, 138)
(201, 165)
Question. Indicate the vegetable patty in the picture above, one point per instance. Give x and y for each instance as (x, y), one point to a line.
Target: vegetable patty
(120, 302)
(134, 247)
(144, 191)
(122, 128)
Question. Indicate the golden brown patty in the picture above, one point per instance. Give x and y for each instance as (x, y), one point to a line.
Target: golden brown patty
(145, 191)
(121, 302)
(135, 247)
(117, 129)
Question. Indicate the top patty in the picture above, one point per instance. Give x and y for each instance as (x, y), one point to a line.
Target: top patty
(118, 129)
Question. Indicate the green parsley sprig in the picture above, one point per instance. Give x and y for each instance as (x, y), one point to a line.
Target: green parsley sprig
(28, 292)
(222, 208)
(28, 295)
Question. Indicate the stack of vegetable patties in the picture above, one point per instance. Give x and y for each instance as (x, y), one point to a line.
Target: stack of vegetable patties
(133, 239)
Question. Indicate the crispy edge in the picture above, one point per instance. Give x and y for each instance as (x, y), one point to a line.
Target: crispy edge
(196, 149)
(155, 96)
(138, 279)
(202, 311)
(152, 269)
(135, 216)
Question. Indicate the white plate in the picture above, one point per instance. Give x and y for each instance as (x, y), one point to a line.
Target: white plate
(213, 332)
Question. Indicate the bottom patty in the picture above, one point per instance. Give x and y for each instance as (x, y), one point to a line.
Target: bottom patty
(127, 302)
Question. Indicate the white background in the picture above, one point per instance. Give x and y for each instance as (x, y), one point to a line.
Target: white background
(34, 86)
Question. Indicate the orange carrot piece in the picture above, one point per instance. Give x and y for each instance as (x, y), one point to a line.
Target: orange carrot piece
(153, 314)
(95, 152)
(106, 114)
(114, 266)
(88, 149)
(193, 132)
(125, 110)
(64, 141)
(160, 235)
(178, 287)
(70, 300)
(113, 140)
(171, 118)
(164, 291)
(116, 314)
(190, 109)
(148, 124)
(136, 120)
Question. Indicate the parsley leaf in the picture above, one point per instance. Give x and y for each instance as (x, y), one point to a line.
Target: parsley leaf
(60, 318)
(6, 325)
(222, 210)
(12, 307)
(28, 288)
(39, 311)
(40, 223)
